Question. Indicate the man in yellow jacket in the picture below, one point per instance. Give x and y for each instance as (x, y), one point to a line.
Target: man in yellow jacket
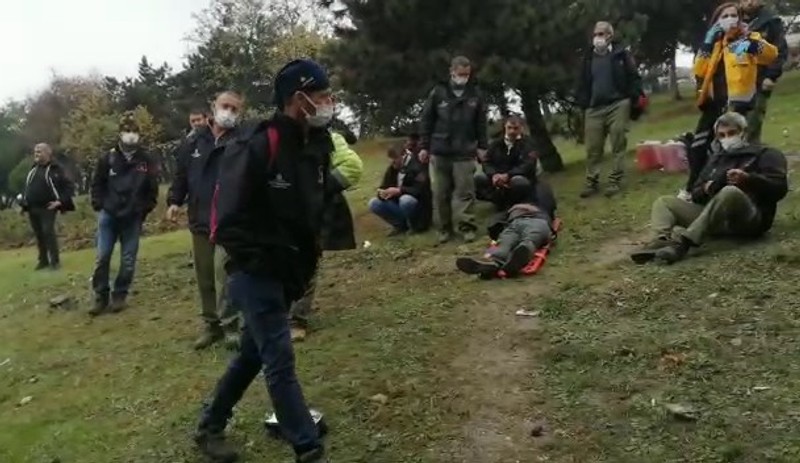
(337, 229)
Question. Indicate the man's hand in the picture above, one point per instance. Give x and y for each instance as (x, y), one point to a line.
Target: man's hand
(482, 155)
(424, 156)
(707, 186)
(172, 213)
(737, 177)
(768, 85)
(53, 205)
(392, 192)
(499, 180)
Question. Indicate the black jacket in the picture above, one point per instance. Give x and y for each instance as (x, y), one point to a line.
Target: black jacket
(454, 126)
(45, 184)
(542, 196)
(125, 189)
(770, 26)
(519, 159)
(416, 183)
(197, 162)
(338, 232)
(269, 206)
(766, 185)
(627, 80)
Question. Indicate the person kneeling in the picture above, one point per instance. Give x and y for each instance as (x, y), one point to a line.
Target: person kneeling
(404, 197)
(736, 194)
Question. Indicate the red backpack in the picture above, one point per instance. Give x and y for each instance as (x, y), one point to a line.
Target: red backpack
(274, 139)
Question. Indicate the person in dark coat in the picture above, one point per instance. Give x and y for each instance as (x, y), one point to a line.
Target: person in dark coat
(268, 216)
(48, 191)
(124, 192)
(736, 194)
(509, 170)
(404, 197)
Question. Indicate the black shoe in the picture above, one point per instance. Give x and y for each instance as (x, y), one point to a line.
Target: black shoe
(590, 190)
(649, 250)
(314, 456)
(100, 306)
(445, 237)
(41, 266)
(674, 253)
(520, 257)
(211, 335)
(118, 303)
(485, 268)
(215, 447)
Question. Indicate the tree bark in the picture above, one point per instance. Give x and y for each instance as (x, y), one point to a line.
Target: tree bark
(673, 79)
(548, 153)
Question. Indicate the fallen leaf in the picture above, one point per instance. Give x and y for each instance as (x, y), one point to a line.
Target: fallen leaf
(682, 412)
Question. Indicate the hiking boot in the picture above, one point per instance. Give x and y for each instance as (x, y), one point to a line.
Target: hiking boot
(483, 267)
(469, 236)
(41, 266)
(519, 259)
(612, 190)
(215, 447)
(314, 456)
(211, 335)
(674, 253)
(648, 252)
(118, 303)
(591, 190)
(100, 306)
(445, 237)
(397, 232)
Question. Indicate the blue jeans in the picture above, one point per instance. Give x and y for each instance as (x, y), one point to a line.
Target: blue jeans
(265, 344)
(111, 229)
(396, 212)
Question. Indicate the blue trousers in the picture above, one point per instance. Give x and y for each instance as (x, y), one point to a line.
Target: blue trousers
(111, 229)
(396, 212)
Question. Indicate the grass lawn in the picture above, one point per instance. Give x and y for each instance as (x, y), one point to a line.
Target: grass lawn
(465, 380)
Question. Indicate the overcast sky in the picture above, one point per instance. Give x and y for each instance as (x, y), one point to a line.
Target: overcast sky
(72, 37)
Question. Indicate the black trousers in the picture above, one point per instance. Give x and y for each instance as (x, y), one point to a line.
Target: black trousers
(43, 223)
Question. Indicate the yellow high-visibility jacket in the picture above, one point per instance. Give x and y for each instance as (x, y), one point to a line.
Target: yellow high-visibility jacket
(741, 72)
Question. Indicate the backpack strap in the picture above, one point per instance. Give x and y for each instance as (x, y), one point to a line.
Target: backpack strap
(274, 141)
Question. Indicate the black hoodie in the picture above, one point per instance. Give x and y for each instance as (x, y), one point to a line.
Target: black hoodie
(125, 188)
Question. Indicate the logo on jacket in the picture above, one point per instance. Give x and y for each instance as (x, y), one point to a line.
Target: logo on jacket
(279, 183)
(196, 153)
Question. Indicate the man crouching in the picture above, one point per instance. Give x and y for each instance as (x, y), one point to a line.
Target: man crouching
(736, 195)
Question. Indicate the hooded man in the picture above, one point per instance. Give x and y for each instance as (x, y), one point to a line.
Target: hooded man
(124, 191)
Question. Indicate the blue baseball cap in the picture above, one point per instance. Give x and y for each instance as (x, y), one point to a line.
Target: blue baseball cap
(302, 75)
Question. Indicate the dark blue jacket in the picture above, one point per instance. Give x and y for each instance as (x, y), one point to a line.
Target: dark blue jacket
(197, 171)
(125, 189)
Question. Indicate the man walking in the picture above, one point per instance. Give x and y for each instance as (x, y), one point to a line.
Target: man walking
(124, 191)
(47, 192)
(196, 177)
(268, 216)
(608, 85)
(453, 131)
(760, 19)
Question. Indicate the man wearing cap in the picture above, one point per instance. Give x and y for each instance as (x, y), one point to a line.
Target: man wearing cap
(124, 190)
(268, 216)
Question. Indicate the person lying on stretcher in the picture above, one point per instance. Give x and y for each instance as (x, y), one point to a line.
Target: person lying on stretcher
(518, 234)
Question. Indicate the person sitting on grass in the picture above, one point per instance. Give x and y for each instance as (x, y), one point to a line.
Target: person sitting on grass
(519, 233)
(736, 194)
(509, 170)
(404, 197)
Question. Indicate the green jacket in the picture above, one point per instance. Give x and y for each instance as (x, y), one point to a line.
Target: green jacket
(346, 168)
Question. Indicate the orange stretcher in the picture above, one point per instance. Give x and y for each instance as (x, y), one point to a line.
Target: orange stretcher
(539, 257)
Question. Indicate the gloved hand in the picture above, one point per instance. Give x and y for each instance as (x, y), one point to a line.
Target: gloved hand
(741, 47)
(712, 34)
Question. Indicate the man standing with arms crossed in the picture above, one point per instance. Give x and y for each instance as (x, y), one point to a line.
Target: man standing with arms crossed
(453, 131)
(196, 176)
(268, 216)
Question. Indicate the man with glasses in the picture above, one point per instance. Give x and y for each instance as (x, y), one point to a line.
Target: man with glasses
(736, 194)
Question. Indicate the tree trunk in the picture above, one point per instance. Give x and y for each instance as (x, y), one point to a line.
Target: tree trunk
(673, 79)
(548, 153)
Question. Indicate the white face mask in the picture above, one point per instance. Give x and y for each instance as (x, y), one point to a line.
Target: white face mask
(225, 118)
(459, 81)
(732, 143)
(323, 114)
(728, 23)
(129, 138)
(600, 43)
